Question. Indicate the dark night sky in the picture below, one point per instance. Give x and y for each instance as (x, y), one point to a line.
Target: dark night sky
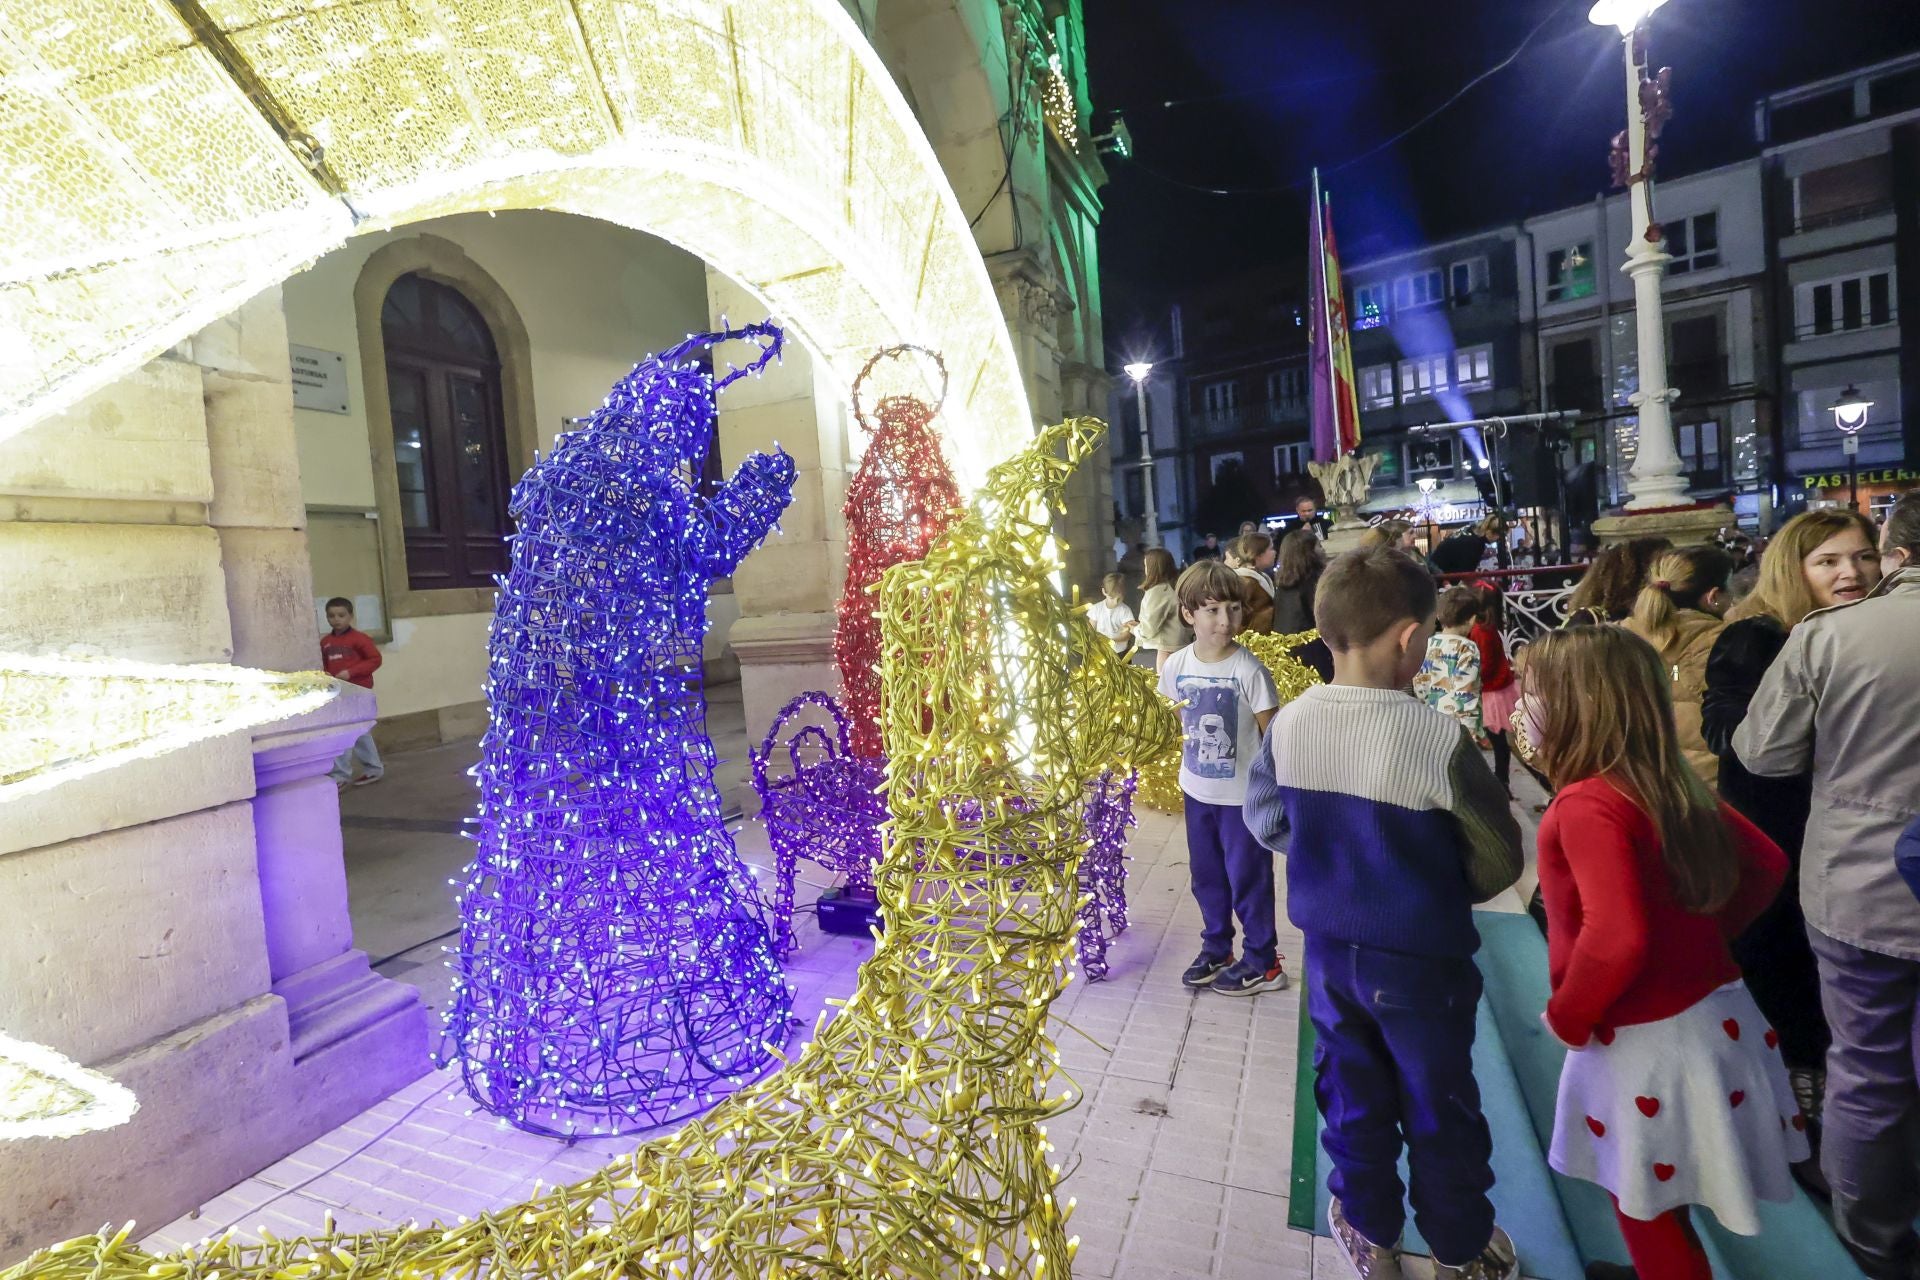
(1303, 82)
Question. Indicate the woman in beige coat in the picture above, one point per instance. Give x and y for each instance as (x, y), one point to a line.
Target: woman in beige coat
(1679, 612)
(1159, 631)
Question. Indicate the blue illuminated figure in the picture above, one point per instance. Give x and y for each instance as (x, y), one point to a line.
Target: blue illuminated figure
(614, 969)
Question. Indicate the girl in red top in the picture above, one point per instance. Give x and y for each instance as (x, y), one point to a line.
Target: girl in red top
(1499, 691)
(1674, 1093)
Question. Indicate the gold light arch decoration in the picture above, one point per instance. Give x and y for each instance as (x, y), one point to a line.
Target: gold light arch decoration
(162, 161)
(908, 1138)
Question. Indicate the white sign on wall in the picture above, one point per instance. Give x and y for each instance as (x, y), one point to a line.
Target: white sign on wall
(319, 379)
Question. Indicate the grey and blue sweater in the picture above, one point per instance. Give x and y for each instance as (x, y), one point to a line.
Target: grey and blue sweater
(1392, 823)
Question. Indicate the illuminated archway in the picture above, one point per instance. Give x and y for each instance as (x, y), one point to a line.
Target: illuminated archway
(160, 164)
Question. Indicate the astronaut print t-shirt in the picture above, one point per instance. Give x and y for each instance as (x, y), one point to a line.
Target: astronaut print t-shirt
(1220, 735)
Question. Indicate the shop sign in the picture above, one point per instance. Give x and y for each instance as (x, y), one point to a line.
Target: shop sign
(1839, 480)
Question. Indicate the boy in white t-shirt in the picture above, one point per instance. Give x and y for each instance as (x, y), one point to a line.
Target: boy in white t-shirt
(1111, 617)
(1228, 700)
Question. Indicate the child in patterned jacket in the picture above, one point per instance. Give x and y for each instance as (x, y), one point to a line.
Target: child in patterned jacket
(1449, 679)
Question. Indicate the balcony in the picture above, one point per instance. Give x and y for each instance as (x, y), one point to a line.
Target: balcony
(1258, 416)
(1841, 217)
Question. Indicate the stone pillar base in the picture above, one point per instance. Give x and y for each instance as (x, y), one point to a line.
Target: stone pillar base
(781, 655)
(1687, 526)
(220, 1100)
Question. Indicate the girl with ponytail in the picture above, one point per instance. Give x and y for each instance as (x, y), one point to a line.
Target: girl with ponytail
(1679, 612)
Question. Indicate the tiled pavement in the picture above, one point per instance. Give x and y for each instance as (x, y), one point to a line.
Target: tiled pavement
(1179, 1155)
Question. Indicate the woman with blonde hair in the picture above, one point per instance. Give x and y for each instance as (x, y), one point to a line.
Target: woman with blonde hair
(1160, 630)
(1817, 560)
(1672, 1096)
(1678, 612)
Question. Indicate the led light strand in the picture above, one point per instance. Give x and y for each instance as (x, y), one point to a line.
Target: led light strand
(614, 969)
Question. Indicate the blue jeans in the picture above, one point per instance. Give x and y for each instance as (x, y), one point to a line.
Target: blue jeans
(1232, 876)
(365, 753)
(1393, 1062)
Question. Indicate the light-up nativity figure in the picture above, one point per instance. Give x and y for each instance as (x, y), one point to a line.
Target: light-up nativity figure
(614, 967)
(827, 806)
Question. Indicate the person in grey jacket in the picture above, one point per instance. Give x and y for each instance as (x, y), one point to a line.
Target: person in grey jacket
(1840, 699)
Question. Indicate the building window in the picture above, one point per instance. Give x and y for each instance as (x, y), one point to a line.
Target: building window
(1570, 272)
(1287, 387)
(1290, 460)
(1467, 278)
(1136, 482)
(1370, 306)
(449, 438)
(1376, 387)
(1422, 376)
(1473, 368)
(1700, 446)
(1421, 289)
(1862, 301)
(1435, 457)
(1221, 397)
(1694, 243)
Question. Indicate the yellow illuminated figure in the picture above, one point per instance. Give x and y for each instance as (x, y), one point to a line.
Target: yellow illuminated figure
(907, 1139)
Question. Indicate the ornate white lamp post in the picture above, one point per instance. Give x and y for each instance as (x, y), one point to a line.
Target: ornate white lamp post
(1850, 415)
(1138, 371)
(1657, 478)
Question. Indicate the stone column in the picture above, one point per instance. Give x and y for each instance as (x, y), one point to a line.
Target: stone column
(788, 588)
(187, 910)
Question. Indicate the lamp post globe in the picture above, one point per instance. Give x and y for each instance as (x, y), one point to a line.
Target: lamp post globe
(1138, 370)
(1850, 415)
(1623, 15)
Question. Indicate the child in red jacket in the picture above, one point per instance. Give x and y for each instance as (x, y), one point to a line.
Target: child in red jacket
(347, 654)
(1674, 1093)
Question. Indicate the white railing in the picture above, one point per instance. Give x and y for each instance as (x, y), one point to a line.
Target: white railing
(1536, 598)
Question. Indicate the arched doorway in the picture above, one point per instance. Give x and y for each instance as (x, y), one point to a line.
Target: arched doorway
(449, 434)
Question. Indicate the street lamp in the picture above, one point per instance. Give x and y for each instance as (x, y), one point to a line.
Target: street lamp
(1657, 478)
(1850, 415)
(1427, 485)
(1138, 371)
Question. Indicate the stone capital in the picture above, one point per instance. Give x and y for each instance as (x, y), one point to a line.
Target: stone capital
(761, 639)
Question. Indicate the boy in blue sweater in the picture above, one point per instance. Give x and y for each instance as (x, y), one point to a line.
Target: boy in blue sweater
(1398, 828)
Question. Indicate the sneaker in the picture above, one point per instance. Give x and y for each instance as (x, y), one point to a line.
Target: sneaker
(1369, 1261)
(1244, 979)
(1497, 1261)
(1205, 969)
(368, 779)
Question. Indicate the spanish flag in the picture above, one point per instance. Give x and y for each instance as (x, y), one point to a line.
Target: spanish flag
(1336, 409)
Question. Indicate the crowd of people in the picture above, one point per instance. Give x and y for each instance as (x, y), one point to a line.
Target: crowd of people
(1729, 868)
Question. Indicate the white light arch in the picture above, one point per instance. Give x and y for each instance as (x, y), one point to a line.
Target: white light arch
(151, 173)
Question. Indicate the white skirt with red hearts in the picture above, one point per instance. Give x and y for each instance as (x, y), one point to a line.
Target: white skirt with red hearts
(1693, 1110)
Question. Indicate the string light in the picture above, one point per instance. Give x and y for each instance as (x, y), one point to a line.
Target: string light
(900, 499)
(44, 1094)
(907, 1138)
(614, 969)
(62, 718)
(237, 147)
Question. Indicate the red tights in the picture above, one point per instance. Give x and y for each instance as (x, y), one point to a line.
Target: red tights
(1666, 1248)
